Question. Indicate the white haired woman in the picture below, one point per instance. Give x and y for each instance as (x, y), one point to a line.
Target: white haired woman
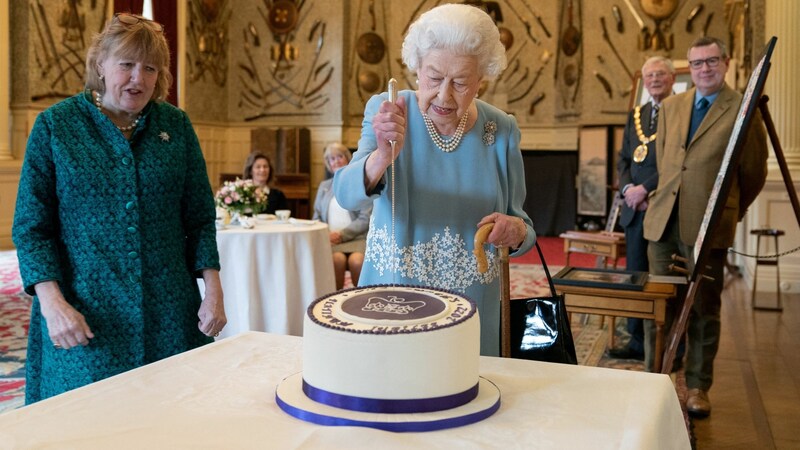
(457, 166)
(348, 229)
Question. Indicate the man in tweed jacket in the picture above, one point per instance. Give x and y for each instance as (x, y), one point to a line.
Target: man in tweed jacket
(693, 132)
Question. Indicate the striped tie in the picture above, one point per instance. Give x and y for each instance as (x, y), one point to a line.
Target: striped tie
(654, 118)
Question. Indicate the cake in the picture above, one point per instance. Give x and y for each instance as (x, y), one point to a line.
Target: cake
(387, 351)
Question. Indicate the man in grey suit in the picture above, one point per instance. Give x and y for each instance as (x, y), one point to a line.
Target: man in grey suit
(638, 176)
(693, 132)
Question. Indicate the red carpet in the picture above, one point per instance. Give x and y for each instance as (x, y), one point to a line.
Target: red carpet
(553, 249)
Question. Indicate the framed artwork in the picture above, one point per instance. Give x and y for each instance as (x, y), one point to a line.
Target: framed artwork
(592, 170)
(640, 96)
(733, 152)
(601, 278)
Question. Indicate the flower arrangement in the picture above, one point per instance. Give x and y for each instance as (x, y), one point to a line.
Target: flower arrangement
(242, 197)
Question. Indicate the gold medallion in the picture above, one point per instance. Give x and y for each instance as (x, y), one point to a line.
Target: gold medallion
(640, 153)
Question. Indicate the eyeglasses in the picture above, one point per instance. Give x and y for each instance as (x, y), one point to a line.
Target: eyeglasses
(653, 75)
(130, 19)
(698, 63)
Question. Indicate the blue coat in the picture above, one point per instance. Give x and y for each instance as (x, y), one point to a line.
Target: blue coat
(124, 227)
(440, 198)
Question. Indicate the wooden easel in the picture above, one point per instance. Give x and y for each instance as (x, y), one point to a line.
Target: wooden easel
(679, 325)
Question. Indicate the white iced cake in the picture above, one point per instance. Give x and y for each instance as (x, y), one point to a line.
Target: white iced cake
(391, 349)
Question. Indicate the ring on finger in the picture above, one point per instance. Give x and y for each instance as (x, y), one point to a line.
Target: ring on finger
(57, 346)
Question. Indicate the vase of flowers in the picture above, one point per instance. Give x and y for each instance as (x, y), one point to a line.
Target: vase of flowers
(241, 198)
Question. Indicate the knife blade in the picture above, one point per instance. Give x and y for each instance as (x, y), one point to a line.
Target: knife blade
(618, 18)
(644, 33)
(692, 15)
(605, 83)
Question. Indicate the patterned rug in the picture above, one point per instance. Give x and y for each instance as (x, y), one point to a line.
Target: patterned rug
(14, 316)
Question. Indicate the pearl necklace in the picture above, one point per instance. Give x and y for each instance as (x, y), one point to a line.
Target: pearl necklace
(98, 101)
(446, 145)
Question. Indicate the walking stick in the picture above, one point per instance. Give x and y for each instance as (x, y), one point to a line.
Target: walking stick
(505, 285)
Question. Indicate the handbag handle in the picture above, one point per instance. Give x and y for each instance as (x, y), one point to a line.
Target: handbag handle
(546, 270)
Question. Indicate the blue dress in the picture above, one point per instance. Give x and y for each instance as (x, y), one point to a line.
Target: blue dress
(440, 198)
(124, 228)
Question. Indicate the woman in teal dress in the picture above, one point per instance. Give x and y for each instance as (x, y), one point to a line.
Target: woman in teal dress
(114, 221)
(457, 166)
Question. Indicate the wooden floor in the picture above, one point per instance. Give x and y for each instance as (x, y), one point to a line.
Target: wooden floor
(756, 393)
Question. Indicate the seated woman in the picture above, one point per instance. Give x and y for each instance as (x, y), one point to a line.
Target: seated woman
(258, 167)
(348, 229)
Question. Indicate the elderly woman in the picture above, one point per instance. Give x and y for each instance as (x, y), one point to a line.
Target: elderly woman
(258, 167)
(456, 166)
(114, 221)
(348, 229)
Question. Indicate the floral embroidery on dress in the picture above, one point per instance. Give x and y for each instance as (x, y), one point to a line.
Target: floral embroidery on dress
(489, 130)
(443, 262)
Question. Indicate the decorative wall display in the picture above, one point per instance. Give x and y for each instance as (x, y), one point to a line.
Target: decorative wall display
(371, 58)
(284, 70)
(569, 61)
(208, 40)
(60, 35)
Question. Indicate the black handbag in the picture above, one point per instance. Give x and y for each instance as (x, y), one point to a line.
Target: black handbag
(540, 327)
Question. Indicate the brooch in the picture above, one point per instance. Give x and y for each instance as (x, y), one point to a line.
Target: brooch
(164, 136)
(489, 129)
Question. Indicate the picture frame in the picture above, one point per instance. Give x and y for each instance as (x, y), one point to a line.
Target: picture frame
(593, 170)
(640, 96)
(601, 278)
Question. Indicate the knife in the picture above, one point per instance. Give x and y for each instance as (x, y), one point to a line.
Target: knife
(618, 18)
(644, 33)
(708, 22)
(692, 15)
(536, 101)
(605, 83)
(538, 19)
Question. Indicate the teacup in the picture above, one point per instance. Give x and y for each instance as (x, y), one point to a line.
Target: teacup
(283, 214)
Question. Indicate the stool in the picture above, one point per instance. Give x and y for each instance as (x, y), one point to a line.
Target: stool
(767, 232)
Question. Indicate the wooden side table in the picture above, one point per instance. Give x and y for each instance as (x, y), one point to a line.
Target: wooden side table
(649, 303)
(604, 244)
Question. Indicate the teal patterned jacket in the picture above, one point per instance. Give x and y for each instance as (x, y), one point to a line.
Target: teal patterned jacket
(124, 227)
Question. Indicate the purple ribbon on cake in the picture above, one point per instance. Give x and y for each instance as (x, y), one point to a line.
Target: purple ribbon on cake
(397, 427)
(384, 406)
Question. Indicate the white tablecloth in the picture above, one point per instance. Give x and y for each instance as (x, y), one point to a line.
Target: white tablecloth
(271, 273)
(221, 396)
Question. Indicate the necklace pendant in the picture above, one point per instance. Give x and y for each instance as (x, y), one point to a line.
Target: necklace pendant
(640, 153)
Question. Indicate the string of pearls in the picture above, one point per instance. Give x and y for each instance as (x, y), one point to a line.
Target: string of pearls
(446, 145)
(98, 102)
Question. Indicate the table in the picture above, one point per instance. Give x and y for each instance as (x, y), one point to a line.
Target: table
(271, 273)
(222, 396)
(605, 244)
(649, 303)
